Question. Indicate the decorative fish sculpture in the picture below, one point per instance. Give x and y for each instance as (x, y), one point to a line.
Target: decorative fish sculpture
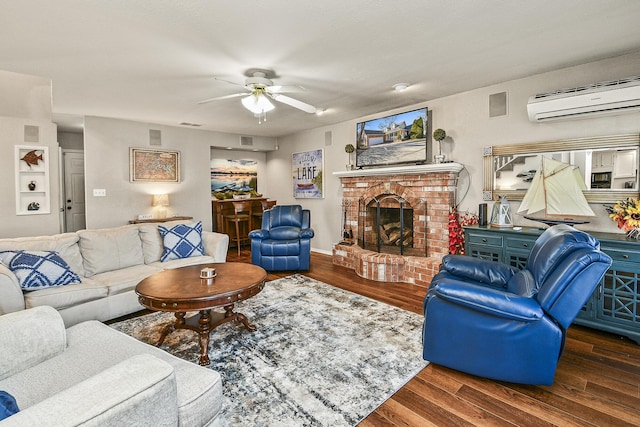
(31, 158)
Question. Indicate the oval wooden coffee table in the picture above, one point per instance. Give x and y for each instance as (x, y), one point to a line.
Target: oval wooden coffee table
(181, 290)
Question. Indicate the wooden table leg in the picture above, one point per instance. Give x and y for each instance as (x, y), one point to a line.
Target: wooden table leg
(239, 317)
(171, 327)
(203, 336)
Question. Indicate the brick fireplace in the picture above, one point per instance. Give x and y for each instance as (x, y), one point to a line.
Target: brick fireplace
(412, 246)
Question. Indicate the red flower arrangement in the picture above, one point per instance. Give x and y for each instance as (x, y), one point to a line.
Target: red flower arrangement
(456, 232)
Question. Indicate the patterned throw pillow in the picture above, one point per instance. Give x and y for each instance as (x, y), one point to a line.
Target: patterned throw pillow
(8, 405)
(38, 269)
(181, 241)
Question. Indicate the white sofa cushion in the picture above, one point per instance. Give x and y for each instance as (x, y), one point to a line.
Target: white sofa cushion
(183, 262)
(125, 279)
(140, 390)
(67, 296)
(40, 337)
(110, 249)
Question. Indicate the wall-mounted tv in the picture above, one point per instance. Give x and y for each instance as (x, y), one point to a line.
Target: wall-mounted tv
(394, 139)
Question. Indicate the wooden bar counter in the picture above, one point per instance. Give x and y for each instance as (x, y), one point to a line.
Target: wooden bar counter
(220, 208)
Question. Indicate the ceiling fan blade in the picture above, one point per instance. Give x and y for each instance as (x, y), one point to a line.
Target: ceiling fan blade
(217, 98)
(229, 81)
(285, 89)
(294, 103)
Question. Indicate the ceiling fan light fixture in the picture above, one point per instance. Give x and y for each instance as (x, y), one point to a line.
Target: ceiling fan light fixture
(257, 104)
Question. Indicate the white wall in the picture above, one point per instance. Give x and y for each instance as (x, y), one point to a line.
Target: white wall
(71, 140)
(25, 96)
(106, 144)
(465, 118)
(26, 101)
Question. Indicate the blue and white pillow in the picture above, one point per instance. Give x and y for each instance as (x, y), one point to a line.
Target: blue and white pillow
(38, 269)
(181, 241)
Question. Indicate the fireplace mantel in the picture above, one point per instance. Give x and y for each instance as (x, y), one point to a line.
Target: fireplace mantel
(397, 170)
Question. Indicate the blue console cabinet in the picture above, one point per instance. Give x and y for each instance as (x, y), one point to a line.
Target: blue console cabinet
(615, 304)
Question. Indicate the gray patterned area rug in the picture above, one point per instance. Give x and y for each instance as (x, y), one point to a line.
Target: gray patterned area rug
(321, 356)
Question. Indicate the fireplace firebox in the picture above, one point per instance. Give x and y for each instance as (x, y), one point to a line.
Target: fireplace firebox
(388, 226)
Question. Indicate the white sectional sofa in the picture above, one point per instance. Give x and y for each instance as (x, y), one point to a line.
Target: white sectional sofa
(92, 375)
(110, 262)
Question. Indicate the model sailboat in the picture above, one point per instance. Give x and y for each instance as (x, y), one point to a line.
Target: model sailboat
(555, 195)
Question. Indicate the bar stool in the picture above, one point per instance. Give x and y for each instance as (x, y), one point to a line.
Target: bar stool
(256, 217)
(242, 214)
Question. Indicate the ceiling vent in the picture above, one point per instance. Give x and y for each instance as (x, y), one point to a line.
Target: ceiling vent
(598, 99)
(246, 141)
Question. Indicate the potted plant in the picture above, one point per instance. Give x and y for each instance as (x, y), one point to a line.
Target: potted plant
(439, 135)
(349, 148)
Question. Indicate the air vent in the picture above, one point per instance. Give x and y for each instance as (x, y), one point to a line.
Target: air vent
(606, 85)
(246, 141)
(190, 124)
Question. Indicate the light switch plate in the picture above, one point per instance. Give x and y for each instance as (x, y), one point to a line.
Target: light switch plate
(146, 216)
(99, 192)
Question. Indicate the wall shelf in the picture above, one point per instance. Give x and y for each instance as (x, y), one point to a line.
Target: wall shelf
(36, 173)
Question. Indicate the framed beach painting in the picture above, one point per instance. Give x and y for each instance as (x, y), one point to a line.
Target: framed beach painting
(306, 169)
(154, 165)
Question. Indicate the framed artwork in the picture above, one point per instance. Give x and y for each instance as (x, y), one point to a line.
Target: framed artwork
(147, 165)
(306, 168)
(232, 177)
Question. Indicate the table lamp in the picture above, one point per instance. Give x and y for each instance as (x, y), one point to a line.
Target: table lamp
(161, 200)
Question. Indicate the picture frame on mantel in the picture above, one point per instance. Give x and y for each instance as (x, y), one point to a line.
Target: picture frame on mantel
(147, 165)
(307, 168)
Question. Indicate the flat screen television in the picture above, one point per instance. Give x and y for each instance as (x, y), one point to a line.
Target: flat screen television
(396, 139)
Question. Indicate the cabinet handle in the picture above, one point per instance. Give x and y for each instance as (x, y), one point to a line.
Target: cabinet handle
(625, 256)
(526, 245)
(484, 240)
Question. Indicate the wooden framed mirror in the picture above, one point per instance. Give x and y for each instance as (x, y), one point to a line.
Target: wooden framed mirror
(608, 164)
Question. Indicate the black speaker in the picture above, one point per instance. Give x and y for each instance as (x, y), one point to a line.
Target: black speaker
(482, 214)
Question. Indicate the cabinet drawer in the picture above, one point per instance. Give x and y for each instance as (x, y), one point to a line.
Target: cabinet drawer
(622, 255)
(483, 239)
(521, 243)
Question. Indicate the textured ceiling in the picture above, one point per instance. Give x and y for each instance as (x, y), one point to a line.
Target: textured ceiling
(153, 60)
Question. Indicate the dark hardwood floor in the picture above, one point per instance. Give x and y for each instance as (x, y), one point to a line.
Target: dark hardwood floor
(597, 381)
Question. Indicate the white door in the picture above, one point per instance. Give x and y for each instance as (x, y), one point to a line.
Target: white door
(74, 218)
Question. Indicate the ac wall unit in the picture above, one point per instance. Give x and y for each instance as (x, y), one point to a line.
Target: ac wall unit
(598, 99)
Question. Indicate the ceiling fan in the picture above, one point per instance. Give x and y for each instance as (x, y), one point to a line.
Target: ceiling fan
(259, 90)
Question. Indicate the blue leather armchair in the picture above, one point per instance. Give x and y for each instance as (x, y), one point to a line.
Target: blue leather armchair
(284, 242)
(495, 321)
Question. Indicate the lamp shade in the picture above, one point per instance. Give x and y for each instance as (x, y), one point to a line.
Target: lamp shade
(160, 200)
(257, 103)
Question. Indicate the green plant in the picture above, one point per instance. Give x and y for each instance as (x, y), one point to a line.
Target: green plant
(349, 148)
(439, 134)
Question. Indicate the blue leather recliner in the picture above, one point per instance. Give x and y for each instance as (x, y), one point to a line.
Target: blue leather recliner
(284, 241)
(495, 321)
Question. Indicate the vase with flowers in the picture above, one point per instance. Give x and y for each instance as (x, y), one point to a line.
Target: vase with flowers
(626, 214)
